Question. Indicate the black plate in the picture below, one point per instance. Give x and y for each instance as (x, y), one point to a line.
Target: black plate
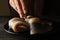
(6, 28)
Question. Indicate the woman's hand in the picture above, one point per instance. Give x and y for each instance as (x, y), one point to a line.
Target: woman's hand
(19, 6)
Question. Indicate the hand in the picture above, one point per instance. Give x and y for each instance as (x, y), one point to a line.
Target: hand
(19, 6)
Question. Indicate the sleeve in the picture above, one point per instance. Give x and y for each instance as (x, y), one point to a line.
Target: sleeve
(38, 7)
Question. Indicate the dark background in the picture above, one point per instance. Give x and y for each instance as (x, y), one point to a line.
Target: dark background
(46, 9)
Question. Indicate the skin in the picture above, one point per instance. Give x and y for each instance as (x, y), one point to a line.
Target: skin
(19, 6)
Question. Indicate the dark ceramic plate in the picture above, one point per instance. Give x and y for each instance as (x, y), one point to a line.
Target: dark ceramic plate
(6, 28)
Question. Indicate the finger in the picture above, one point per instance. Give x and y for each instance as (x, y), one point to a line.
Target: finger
(19, 8)
(23, 6)
(12, 4)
